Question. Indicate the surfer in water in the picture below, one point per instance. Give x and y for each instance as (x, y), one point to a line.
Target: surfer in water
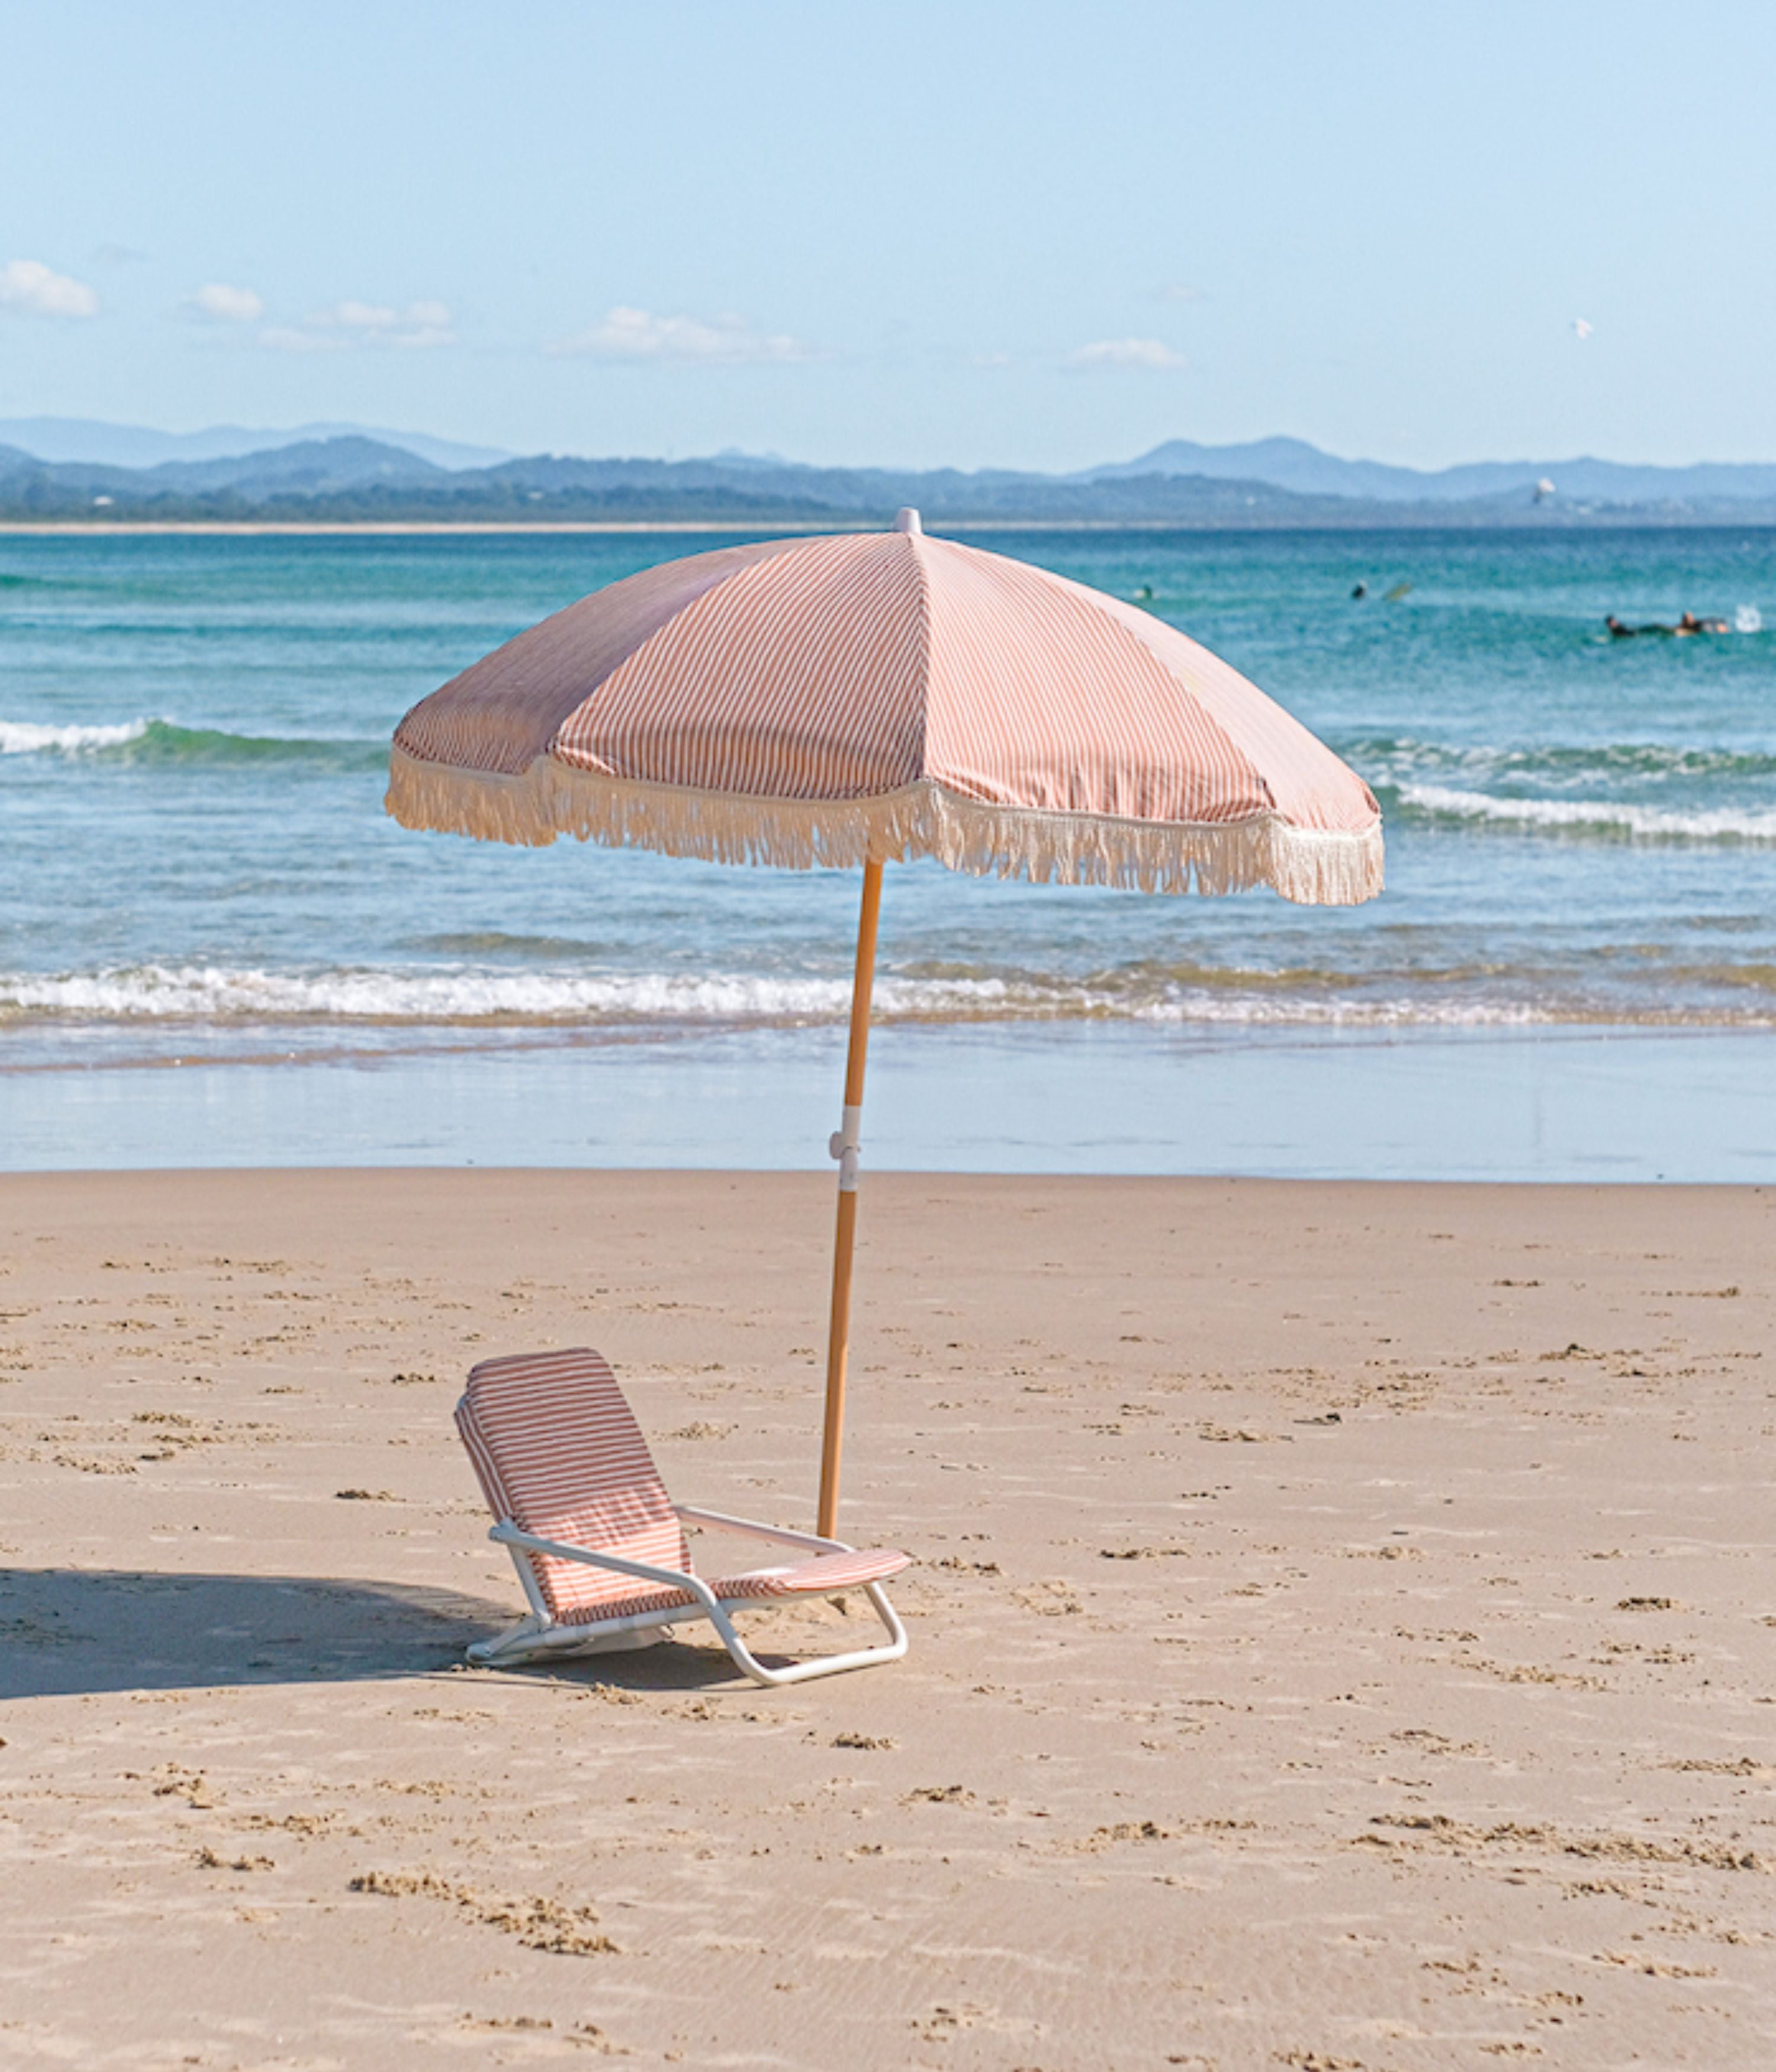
(1686, 625)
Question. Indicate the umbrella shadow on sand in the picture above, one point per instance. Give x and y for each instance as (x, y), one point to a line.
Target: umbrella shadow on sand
(67, 1633)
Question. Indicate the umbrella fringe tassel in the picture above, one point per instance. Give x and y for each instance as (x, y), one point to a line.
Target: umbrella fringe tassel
(1313, 866)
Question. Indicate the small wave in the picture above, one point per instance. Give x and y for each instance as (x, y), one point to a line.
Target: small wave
(1747, 619)
(477, 995)
(500, 943)
(1398, 756)
(194, 996)
(1607, 819)
(161, 741)
(27, 737)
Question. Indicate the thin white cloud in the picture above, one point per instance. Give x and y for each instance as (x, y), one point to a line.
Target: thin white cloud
(377, 323)
(217, 302)
(1147, 355)
(354, 323)
(1182, 291)
(638, 334)
(29, 286)
(358, 316)
(288, 338)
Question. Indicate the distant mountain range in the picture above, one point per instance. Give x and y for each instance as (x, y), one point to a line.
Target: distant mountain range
(1293, 464)
(63, 469)
(88, 439)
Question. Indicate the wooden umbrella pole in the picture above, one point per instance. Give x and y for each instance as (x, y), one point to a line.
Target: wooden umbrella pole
(844, 1146)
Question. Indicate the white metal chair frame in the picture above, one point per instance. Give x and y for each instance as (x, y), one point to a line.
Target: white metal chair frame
(541, 1635)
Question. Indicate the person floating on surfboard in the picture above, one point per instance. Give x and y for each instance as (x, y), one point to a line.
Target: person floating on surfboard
(1686, 625)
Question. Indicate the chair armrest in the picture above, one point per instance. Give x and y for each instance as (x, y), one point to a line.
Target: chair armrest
(694, 1515)
(508, 1535)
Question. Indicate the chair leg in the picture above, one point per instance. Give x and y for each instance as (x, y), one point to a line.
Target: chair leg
(517, 1643)
(827, 1665)
(529, 1641)
(539, 1637)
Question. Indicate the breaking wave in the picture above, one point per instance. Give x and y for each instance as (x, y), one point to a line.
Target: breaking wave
(1155, 996)
(161, 741)
(1608, 819)
(20, 737)
(1399, 756)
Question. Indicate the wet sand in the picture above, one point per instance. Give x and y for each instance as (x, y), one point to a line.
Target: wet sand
(1344, 1632)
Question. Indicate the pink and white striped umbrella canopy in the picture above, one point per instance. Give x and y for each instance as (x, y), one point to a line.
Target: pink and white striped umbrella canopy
(879, 697)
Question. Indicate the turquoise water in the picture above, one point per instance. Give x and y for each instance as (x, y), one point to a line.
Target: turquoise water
(1581, 832)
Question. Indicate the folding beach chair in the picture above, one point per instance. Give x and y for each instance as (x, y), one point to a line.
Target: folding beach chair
(598, 1545)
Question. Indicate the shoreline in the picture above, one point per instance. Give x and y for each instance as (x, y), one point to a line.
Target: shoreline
(83, 528)
(817, 523)
(1341, 1612)
(1541, 1106)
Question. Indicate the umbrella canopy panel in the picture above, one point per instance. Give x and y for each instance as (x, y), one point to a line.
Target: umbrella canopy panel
(874, 697)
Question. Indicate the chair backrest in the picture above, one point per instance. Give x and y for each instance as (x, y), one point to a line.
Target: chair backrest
(559, 1453)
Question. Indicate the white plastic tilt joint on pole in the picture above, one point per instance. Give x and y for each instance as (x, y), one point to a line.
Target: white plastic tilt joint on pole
(845, 1144)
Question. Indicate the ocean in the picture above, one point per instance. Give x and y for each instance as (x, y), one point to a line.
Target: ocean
(216, 948)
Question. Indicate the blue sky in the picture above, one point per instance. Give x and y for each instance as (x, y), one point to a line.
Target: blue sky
(976, 233)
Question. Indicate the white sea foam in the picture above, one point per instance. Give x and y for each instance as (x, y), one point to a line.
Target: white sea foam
(204, 993)
(1605, 817)
(197, 996)
(19, 736)
(213, 992)
(1747, 619)
(210, 993)
(1260, 1011)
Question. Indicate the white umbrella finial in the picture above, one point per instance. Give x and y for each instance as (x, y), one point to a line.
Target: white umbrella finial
(906, 521)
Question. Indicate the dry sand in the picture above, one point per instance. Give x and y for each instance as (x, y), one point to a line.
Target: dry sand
(1344, 1633)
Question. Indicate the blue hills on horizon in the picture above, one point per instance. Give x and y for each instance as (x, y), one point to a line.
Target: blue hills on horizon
(63, 468)
(1286, 463)
(92, 442)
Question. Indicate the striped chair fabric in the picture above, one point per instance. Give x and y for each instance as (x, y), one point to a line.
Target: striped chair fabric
(557, 1451)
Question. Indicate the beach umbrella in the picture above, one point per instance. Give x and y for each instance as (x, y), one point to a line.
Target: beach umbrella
(872, 697)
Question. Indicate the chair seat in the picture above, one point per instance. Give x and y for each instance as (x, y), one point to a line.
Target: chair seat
(823, 1577)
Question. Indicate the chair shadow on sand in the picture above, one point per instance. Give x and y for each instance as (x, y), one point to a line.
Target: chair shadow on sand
(74, 1632)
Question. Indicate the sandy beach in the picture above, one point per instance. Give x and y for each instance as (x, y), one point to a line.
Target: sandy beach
(1342, 1632)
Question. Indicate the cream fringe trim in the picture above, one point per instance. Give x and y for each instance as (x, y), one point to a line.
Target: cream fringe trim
(550, 799)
